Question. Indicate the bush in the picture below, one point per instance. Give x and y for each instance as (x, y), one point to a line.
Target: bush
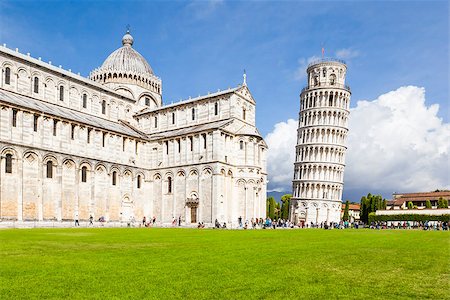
(408, 217)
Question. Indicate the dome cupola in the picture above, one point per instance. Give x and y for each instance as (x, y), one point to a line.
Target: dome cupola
(126, 66)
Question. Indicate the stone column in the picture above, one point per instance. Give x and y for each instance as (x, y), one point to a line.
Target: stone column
(20, 189)
(40, 201)
(59, 201)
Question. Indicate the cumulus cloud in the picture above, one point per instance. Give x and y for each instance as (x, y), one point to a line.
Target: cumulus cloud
(300, 71)
(281, 155)
(347, 53)
(396, 143)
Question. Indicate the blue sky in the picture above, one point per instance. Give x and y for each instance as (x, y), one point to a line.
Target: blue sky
(196, 47)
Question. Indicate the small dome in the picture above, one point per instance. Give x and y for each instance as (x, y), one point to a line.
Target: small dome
(127, 39)
(126, 60)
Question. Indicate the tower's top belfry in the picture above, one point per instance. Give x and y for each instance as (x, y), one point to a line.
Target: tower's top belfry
(326, 73)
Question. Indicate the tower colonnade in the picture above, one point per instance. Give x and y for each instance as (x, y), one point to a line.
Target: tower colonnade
(321, 144)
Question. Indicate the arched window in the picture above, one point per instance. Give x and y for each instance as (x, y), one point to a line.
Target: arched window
(243, 113)
(138, 181)
(147, 101)
(169, 184)
(49, 169)
(156, 122)
(14, 117)
(8, 164)
(36, 85)
(193, 114)
(84, 174)
(103, 107)
(61, 93)
(114, 178)
(7, 75)
(331, 100)
(204, 140)
(241, 145)
(84, 100)
(173, 118)
(332, 79)
(216, 108)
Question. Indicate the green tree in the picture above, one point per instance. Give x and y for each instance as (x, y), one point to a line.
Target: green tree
(410, 205)
(442, 203)
(384, 204)
(285, 206)
(428, 204)
(270, 207)
(371, 203)
(277, 210)
(345, 216)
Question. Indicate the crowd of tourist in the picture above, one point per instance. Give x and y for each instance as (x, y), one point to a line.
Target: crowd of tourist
(427, 225)
(268, 223)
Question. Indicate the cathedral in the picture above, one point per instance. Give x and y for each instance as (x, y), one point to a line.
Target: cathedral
(107, 146)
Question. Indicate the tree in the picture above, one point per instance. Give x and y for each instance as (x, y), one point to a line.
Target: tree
(442, 203)
(345, 216)
(270, 204)
(277, 210)
(285, 199)
(384, 204)
(428, 204)
(371, 203)
(410, 205)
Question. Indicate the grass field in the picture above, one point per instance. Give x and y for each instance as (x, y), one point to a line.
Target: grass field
(131, 263)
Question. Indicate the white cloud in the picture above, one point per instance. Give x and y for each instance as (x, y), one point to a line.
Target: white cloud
(300, 72)
(395, 143)
(281, 155)
(347, 53)
(203, 9)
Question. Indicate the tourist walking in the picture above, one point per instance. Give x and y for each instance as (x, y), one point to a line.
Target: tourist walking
(91, 219)
(77, 223)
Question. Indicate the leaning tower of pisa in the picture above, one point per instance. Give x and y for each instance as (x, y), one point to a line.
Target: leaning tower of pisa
(321, 138)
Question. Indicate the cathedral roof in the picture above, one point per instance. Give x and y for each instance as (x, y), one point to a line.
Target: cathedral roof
(67, 113)
(189, 130)
(126, 59)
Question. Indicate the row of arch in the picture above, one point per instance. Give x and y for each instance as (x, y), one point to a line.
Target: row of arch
(326, 117)
(320, 154)
(137, 79)
(321, 135)
(83, 167)
(315, 204)
(325, 99)
(317, 191)
(319, 173)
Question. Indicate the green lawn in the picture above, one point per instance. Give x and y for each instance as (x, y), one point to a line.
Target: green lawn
(131, 263)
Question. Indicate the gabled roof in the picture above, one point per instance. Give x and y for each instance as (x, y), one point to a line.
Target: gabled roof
(189, 130)
(66, 113)
(243, 91)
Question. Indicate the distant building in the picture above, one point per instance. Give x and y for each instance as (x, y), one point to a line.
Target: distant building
(400, 201)
(353, 212)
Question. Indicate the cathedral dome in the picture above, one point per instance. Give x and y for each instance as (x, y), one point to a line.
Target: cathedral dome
(125, 69)
(126, 59)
